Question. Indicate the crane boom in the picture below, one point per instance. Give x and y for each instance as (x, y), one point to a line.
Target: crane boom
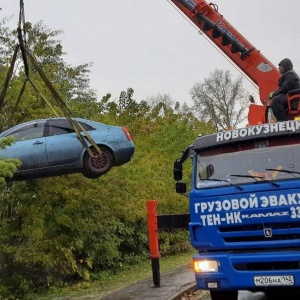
(233, 44)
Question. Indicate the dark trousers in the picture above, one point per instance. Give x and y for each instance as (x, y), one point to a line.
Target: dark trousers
(279, 107)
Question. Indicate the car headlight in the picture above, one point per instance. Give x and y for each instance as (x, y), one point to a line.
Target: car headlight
(206, 266)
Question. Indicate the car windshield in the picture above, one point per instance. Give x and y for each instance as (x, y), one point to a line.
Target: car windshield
(216, 169)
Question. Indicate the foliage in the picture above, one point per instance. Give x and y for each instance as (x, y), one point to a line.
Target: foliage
(220, 99)
(106, 282)
(67, 229)
(64, 229)
(7, 166)
(71, 83)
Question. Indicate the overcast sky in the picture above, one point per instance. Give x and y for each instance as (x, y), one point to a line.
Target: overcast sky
(149, 46)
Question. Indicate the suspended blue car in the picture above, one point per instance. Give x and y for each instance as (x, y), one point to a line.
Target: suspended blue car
(51, 147)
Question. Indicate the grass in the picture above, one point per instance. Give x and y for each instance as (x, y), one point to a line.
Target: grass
(106, 282)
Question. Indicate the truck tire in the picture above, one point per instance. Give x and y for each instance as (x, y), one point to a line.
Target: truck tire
(291, 294)
(224, 295)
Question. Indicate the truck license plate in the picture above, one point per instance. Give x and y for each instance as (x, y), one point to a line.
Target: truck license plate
(273, 280)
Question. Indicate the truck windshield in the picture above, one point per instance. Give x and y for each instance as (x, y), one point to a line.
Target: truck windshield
(219, 167)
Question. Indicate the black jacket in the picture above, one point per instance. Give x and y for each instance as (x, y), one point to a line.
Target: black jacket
(289, 79)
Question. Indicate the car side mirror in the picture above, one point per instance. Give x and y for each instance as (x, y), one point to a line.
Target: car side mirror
(180, 187)
(178, 169)
(187, 153)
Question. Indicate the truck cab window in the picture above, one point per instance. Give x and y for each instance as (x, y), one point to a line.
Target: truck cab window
(254, 164)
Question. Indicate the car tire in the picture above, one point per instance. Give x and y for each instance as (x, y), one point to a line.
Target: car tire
(100, 164)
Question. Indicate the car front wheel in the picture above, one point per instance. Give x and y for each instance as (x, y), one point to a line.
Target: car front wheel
(99, 164)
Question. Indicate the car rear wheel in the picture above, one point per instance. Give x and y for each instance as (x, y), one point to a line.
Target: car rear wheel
(99, 164)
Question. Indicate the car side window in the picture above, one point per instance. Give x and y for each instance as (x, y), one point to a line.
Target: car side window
(28, 133)
(62, 126)
(56, 130)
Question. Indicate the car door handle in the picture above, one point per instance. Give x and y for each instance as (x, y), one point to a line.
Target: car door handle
(38, 143)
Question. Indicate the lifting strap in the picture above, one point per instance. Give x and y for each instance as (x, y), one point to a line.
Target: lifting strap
(65, 109)
(25, 54)
(8, 76)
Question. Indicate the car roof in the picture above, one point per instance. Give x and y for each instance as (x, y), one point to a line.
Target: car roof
(89, 122)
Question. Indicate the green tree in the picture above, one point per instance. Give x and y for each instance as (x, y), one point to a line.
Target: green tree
(7, 166)
(60, 230)
(71, 83)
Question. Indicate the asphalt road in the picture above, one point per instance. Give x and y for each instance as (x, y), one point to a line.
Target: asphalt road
(245, 295)
(173, 284)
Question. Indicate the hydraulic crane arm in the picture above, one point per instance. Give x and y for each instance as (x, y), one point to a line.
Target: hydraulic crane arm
(238, 49)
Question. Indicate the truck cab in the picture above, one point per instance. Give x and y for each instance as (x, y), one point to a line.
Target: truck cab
(245, 210)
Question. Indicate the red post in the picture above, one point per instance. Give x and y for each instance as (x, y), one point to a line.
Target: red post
(153, 240)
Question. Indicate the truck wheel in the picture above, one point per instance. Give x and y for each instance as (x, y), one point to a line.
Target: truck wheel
(293, 294)
(224, 295)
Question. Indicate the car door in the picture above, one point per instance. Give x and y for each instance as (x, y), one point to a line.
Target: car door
(62, 143)
(29, 146)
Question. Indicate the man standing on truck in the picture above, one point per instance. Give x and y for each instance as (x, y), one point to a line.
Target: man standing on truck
(288, 81)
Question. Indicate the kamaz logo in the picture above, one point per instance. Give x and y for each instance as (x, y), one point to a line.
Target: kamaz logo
(268, 232)
(266, 215)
